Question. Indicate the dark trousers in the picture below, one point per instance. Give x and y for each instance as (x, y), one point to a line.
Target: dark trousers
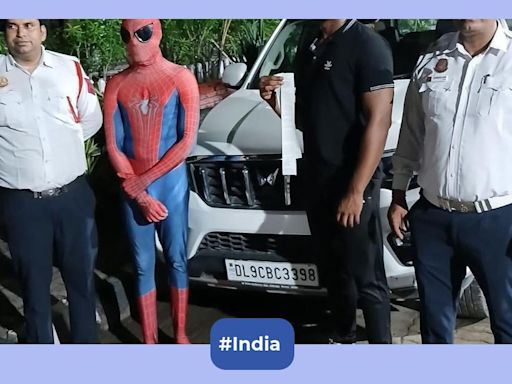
(60, 230)
(351, 259)
(447, 242)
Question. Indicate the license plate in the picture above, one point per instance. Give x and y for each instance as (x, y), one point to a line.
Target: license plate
(266, 272)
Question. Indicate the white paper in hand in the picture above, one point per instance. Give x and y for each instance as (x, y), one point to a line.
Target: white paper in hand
(290, 144)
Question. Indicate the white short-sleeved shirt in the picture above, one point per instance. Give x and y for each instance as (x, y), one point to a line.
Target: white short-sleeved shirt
(45, 116)
(456, 129)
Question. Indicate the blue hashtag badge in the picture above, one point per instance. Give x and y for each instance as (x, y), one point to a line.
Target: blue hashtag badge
(252, 343)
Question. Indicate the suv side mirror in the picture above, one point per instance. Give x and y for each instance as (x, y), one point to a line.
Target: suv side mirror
(234, 74)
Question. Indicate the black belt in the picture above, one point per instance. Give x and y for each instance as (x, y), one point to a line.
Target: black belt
(48, 193)
(53, 192)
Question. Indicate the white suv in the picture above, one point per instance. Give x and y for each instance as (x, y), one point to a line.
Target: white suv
(243, 234)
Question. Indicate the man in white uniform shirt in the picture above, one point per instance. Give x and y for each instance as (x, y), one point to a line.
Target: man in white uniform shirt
(47, 109)
(457, 136)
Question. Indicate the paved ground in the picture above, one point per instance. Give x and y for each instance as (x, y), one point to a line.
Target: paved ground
(206, 306)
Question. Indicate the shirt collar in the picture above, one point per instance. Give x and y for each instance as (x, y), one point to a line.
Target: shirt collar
(9, 63)
(46, 59)
(499, 41)
(349, 23)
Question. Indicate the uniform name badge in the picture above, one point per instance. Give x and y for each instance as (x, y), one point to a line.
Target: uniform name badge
(437, 78)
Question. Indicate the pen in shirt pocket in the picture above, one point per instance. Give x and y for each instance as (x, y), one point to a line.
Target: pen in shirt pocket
(484, 79)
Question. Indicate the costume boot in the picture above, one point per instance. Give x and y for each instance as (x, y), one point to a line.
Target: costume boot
(148, 318)
(179, 306)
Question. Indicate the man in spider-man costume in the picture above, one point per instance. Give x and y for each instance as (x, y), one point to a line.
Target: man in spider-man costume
(151, 118)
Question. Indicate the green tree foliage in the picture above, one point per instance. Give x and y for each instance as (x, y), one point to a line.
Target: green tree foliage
(98, 45)
(190, 41)
(95, 42)
(415, 25)
(251, 36)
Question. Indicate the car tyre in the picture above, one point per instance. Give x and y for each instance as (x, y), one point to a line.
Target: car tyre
(472, 303)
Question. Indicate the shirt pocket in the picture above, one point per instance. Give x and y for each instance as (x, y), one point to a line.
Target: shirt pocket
(11, 109)
(494, 96)
(61, 106)
(436, 96)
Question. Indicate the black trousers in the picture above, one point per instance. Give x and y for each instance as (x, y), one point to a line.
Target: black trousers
(44, 231)
(447, 242)
(350, 259)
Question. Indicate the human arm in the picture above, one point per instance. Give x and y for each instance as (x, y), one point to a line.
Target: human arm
(188, 118)
(374, 84)
(407, 157)
(152, 209)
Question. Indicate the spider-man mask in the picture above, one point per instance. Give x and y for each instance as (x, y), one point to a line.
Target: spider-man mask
(142, 38)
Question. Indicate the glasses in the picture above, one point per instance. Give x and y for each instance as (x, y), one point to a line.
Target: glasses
(142, 34)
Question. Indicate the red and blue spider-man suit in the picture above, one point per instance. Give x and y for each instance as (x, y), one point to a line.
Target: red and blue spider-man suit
(151, 119)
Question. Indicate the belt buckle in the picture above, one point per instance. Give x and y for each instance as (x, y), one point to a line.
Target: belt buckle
(457, 206)
(53, 192)
(471, 207)
(461, 206)
(467, 206)
(464, 208)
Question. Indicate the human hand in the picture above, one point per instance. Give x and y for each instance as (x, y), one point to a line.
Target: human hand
(268, 86)
(397, 218)
(152, 209)
(349, 210)
(134, 185)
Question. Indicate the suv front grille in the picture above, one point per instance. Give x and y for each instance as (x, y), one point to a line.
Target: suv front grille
(239, 242)
(255, 182)
(286, 246)
(245, 182)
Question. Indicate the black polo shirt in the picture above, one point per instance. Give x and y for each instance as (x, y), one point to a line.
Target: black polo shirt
(330, 79)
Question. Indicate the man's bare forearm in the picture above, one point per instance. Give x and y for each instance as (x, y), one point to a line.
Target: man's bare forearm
(372, 148)
(377, 108)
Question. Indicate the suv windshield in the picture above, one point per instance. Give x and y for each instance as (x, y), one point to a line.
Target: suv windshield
(281, 55)
(407, 38)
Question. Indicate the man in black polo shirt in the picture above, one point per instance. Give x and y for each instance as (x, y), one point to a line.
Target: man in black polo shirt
(344, 94)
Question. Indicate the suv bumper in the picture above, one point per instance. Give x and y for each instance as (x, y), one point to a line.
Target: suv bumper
(234, 228)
